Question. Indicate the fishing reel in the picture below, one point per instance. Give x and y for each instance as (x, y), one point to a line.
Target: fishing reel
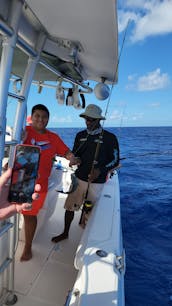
(86, 209)
(87, 206)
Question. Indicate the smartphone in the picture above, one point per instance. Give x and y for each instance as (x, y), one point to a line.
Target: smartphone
(24, 173)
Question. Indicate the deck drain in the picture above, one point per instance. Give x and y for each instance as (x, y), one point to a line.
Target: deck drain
(107, 195)
(101, 253)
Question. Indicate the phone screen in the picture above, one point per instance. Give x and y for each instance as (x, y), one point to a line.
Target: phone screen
(24, 173)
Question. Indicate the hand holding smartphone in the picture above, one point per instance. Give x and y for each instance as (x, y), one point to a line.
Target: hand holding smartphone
(24, 173)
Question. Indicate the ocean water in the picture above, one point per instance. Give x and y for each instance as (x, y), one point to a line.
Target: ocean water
(146, 211)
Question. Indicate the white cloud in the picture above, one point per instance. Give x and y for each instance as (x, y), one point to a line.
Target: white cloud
(131, 77)
(153, 80)
(132, 118)
(56, 119)
(149, 18)
(137, 117)
(155, 105)
(114, 115)
(140, 4)
(124, 18)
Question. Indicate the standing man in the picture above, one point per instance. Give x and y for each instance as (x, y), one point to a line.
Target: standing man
(98, 152)
(51, 145)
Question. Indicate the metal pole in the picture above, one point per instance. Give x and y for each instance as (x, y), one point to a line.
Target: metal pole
(5, 71)
(19, 121)
(26, 83)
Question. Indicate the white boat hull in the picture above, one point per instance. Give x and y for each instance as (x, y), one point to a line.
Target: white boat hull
(100, 256)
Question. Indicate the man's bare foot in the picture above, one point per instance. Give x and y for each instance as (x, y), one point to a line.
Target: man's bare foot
(27, 255)
(62, 236)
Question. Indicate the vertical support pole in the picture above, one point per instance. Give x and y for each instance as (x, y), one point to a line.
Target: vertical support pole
(26, 83)
(5, 71)
(17, 130)
(8, 45)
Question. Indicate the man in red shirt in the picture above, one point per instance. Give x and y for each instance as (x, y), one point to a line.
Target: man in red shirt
(50, 145)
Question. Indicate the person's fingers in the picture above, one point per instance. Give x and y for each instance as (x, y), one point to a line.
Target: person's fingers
(5, 177)
(37, 187)
(35, 196)
(23, 206)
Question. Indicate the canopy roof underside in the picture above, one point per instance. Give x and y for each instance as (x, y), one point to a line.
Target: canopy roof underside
(81, 38)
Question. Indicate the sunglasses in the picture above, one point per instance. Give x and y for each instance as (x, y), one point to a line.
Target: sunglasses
(90, 119)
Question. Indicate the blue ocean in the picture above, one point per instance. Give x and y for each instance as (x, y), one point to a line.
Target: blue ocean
(146, 211)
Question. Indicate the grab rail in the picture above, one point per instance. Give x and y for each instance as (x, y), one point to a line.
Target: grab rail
(5, 228)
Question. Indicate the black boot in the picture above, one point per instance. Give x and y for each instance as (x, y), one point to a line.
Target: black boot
(69, 215)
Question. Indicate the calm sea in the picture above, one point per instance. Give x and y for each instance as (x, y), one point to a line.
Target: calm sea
(146, 211)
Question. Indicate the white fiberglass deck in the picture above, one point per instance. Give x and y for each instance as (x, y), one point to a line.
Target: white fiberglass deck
(50, 274)
(48, 277)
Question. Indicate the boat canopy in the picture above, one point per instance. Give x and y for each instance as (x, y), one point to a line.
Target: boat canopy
(79, 38)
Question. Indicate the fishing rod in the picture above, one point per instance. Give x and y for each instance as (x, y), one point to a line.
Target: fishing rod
(87, 204)
(116, 69)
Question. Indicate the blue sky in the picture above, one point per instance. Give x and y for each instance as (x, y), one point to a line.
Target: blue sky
(143, 95)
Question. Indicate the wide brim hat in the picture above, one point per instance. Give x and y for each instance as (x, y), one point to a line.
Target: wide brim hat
(93, 111)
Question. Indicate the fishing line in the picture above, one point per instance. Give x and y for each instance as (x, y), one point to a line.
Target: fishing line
(116, 69)
(102, 132)
(107, 106)
(115, 76)
(108, 102)
(111, 89)
(100, 135)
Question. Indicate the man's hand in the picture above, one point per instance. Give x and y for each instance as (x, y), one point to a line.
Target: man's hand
(94, 174)
(73, 160)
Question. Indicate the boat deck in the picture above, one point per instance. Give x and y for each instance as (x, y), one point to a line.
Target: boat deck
(47, 278)
(50, 275)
